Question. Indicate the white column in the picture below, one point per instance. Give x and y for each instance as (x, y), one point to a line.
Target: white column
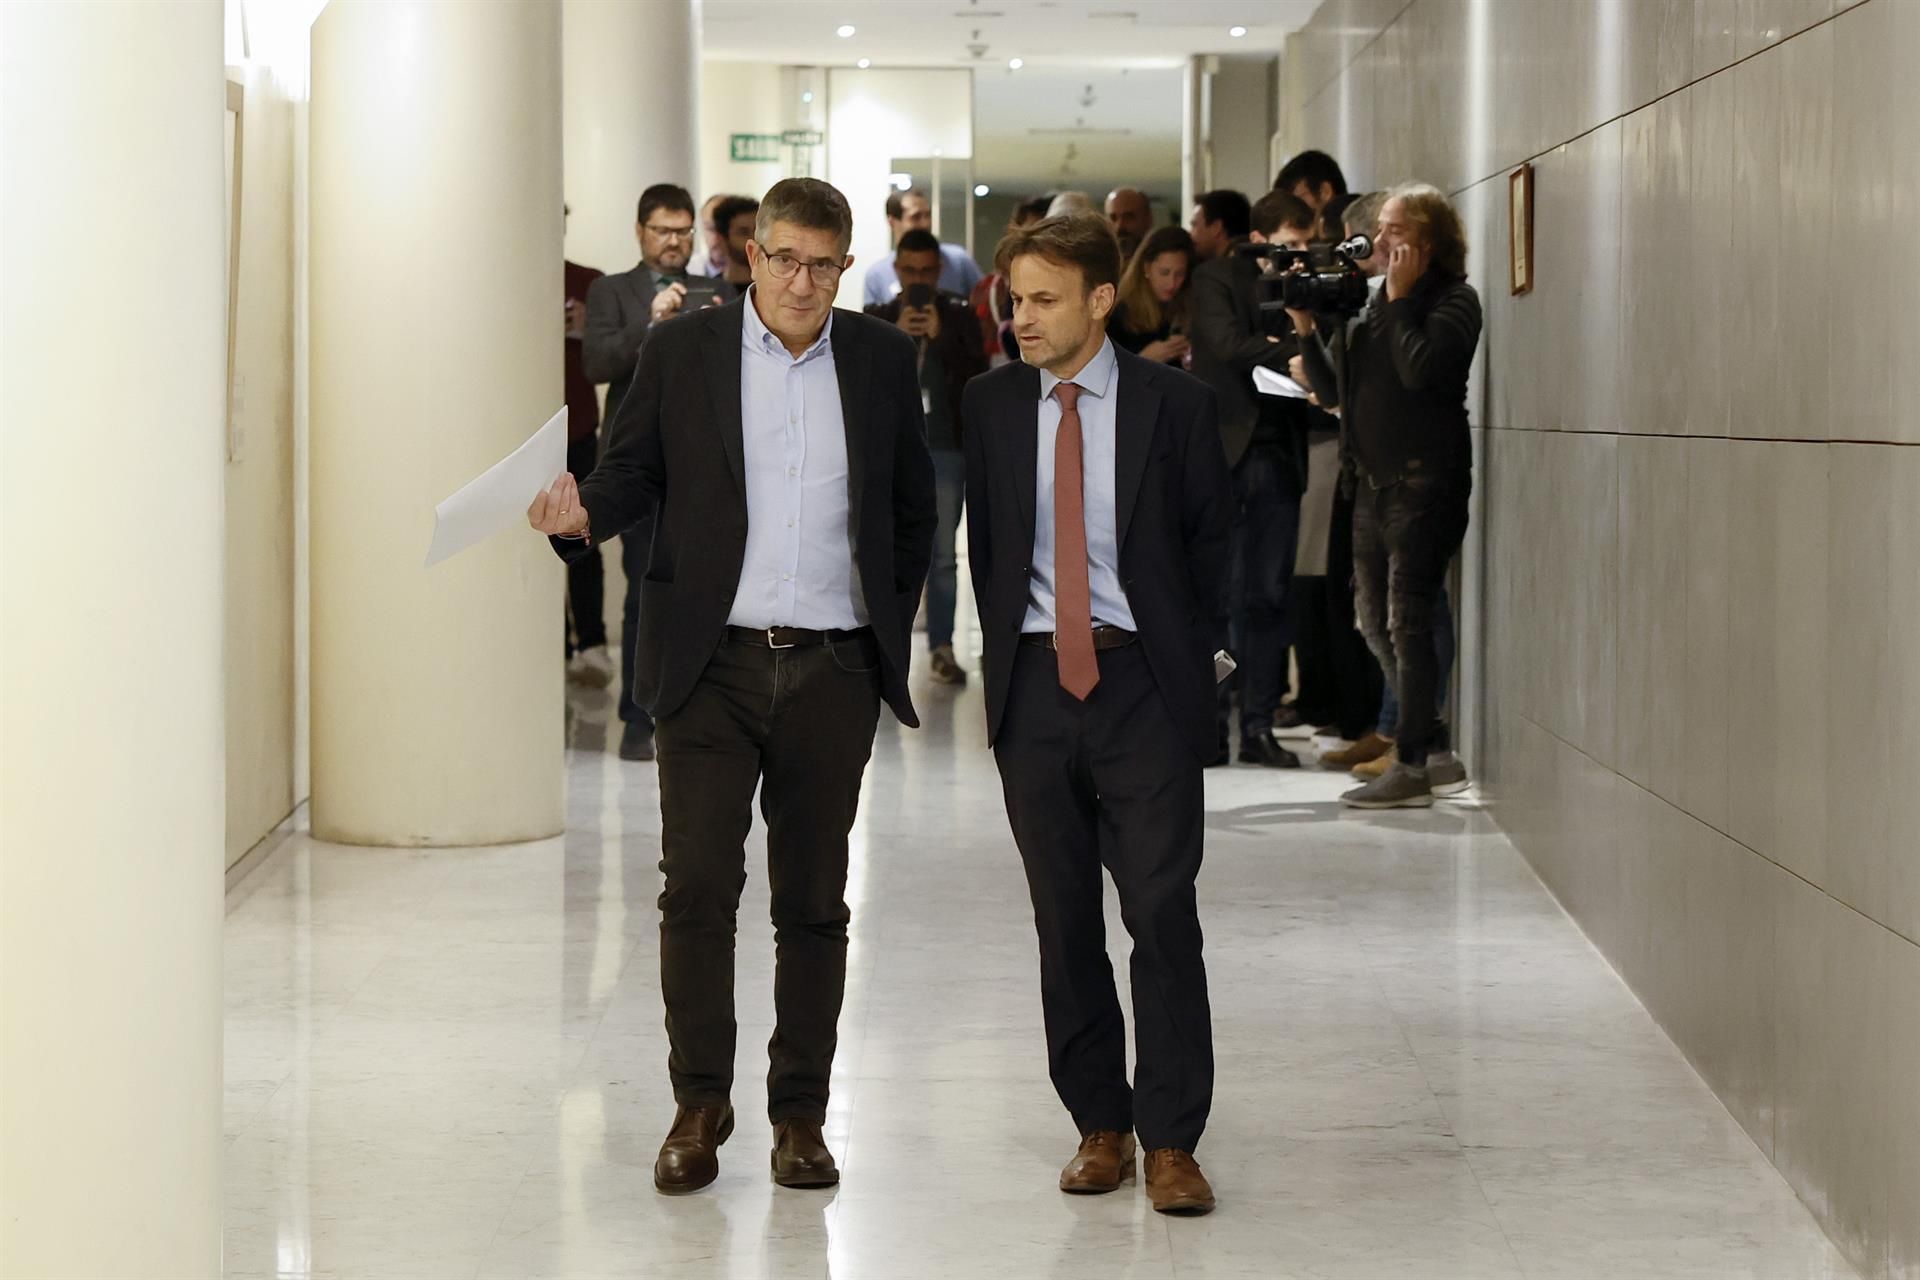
(435, 329)
(631, 71)
(112, 412)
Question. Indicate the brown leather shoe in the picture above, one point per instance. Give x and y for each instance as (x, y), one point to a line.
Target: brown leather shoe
(1175, 1183)
(690, 1157)
(1371, 747)
(800, 1156)
(1104, 1161)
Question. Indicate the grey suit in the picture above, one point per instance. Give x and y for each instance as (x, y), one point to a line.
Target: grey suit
(619, 313)
(1228, 343)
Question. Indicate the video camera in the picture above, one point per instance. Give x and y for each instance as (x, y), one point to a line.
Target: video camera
(1329, 281)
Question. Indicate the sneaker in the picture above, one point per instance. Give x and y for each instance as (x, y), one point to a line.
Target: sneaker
(1376, 767)
(1447, 774)
(1262, 750)
(947, 668)
(1371, 747)
(591, 668)
(636, 741)
(1401, 787)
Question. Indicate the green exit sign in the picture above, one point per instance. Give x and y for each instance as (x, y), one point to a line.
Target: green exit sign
(754, 148)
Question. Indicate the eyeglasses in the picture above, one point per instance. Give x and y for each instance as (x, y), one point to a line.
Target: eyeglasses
(669, 233)
(785, 266)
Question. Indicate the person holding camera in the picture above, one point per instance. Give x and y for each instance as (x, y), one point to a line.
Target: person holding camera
(1399, 377)
(952, 350)
(622, 310)
(1263, 440)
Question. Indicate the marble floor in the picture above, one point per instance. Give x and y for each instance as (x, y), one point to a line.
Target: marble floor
(451, 1063)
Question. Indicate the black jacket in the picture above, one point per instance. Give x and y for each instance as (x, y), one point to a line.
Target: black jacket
(1401, 381)
(1174, 501)
(1229, 341)
(963, 348)
(619, 313)
(677, 446)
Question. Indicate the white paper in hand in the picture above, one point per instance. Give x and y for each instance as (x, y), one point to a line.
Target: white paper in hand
(1268, 382)
(500, 497)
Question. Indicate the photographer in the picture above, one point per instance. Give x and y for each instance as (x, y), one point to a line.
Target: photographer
(1399, 377)
(951, 351)
(1264, 442)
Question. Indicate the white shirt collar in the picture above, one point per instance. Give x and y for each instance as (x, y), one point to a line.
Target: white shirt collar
(755, 336)
(1095, 377)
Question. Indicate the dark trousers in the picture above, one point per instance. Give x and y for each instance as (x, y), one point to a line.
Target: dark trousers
(1404, 537)
(636, 544)
(1340, 683)
(1110, 781)
(798, 725)
(586, 577)
(943, 578)
(1266, 531)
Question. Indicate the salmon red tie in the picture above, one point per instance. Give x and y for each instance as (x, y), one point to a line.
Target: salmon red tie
(1072, 597)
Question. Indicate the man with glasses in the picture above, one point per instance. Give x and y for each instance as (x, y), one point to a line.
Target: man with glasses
(781, 449)
(621, 311)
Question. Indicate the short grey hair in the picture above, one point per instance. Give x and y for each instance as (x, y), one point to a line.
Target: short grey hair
(805, 202)
(1071, 202)
(1362, 214)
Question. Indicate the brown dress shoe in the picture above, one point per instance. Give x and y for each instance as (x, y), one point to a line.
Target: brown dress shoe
(690, 1157)
(1104, 1161)
(1371, 747)
(800, 1156)
(1175, 1183)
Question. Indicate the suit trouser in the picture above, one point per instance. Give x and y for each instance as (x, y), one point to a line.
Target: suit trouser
(1266, 531)
(586, 576)
(1340, 682)
(1112, 782)
(798, 725)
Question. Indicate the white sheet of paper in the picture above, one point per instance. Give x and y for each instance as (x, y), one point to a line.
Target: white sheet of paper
(499, 498)
(1267, 382)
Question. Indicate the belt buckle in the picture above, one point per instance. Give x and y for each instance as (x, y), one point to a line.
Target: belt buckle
(775, 644)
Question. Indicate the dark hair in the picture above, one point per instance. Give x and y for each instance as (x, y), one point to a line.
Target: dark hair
(1278, 209)
(731, 207)
(1229, 208)
(1312, 168)
(897, 201)
(664, 195)
(805, 202)
(1030, 211)
(918, 240)
(1081, 239)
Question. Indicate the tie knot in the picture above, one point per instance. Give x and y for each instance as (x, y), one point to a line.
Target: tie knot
(1067, 393)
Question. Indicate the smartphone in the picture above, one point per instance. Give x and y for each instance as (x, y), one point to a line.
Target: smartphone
(1223, 664)
(920, 296)
(700, 293)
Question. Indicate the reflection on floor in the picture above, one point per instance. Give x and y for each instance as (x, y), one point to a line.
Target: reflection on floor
(452, 1064)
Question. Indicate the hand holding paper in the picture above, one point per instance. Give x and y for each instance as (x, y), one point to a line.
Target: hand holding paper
(1271, 382)
(557, 511)
(499, 497)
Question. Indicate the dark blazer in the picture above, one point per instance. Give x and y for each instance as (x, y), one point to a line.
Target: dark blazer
(677, 452)
(963, 350)
(1229, 340)
(619, 314)
(1174, 499)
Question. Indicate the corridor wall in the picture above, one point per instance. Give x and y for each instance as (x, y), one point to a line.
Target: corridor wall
(1692, 660)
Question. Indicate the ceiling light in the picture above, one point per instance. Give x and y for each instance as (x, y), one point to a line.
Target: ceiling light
(1015, 63)
(807, 96)
(981, 189)
(864, 63)
(1236, 32)
(845, 32)
(901, 181)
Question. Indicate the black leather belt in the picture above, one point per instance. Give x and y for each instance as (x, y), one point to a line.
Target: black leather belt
(791, 637)
(1103, 638)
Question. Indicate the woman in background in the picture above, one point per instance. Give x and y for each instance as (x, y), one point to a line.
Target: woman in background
(1150, 319)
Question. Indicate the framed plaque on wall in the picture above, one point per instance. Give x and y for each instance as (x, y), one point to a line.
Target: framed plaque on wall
(1520, 228)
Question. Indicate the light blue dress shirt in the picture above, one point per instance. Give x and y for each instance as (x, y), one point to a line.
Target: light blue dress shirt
(958, 274)
(1099, 384)
(798, 570)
